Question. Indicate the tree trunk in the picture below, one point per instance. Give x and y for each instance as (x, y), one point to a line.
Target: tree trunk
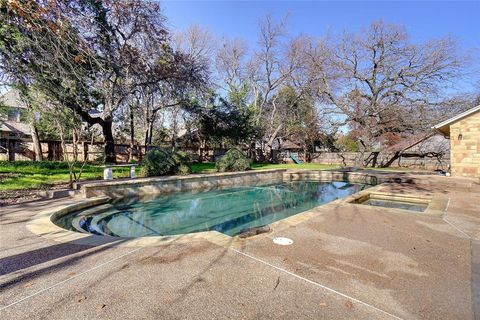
(146, 129)
(109, 142)
(149, 131)
(272, 138)
(65, 156)
(359, 159)
(37, 147)
(85, 149)
(145, 141)
(132, 136)
(392, 159)
(174, 129)
(150, 135)
(75, 145)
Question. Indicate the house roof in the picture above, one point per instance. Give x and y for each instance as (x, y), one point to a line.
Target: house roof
(423, 142)
(289, 145)
(17, 128)
(12, 98)
(444, 127)
(408, 142)
(94, 113)
(4, 128)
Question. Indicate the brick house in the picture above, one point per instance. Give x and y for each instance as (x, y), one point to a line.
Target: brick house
(463, 130)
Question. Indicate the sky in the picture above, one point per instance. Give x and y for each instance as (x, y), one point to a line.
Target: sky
(423, 20)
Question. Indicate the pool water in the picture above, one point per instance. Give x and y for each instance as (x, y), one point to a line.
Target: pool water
(229, 211)
(417, 207)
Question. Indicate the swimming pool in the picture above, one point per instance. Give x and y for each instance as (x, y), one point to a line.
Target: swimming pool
(229, 211)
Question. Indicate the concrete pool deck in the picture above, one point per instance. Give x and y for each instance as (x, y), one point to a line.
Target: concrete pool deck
(348, 261)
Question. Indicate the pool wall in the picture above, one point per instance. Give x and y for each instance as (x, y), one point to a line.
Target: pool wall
(165, 185)
(352, 177)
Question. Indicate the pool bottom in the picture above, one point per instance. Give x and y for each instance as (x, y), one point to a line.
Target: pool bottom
(395, 204)
(229, 211)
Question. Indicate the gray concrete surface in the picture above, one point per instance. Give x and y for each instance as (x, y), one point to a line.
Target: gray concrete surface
(348, 262)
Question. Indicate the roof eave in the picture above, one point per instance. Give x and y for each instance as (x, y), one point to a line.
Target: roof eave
(447, 122)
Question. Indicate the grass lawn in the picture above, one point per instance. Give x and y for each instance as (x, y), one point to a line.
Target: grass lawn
(19, 175)
(204, 167)
(311, 166)
(209, 167)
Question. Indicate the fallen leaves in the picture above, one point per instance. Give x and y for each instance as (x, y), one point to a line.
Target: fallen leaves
(349, 304)
(101, 306)
(276, 285)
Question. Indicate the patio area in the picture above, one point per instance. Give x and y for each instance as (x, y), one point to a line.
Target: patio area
(347, 261)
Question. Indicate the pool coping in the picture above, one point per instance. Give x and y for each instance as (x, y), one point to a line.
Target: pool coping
(42, 223)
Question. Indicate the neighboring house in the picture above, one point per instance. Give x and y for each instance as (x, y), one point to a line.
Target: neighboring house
(288, 149)
(283, 149)
(427, 150)
(11, 125)
(12, 129)
(422, 144)
(463, 130)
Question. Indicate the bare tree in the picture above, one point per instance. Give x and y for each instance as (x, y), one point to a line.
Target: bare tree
(230, 60)
(90, 55)
(281, 64)
(382, 83)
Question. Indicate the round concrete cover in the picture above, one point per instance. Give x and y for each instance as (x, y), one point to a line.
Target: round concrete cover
(282, 241)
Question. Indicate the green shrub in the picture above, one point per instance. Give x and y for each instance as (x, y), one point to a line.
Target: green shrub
(183, 170)
(181, 163)
(233, 160)
(160, 162)
(156, 163)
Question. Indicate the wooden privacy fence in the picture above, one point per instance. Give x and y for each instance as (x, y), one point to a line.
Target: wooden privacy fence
(22, 150)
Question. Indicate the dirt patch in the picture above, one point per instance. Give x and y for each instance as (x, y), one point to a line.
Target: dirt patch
(24, 195)
(7, 175)
(250, 232)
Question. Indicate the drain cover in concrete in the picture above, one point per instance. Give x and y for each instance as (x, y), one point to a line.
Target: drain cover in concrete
(282, 241)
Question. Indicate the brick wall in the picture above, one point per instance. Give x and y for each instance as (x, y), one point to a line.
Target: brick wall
(465, 152)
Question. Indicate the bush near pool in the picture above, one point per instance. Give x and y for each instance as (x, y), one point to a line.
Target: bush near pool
(160, 162)
(233, 160)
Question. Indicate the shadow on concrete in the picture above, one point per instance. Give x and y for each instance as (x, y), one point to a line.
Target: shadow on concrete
(35, 257)
(184, 292)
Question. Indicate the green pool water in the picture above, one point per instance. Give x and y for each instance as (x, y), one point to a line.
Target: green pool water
(395, 204)
(229, 211)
